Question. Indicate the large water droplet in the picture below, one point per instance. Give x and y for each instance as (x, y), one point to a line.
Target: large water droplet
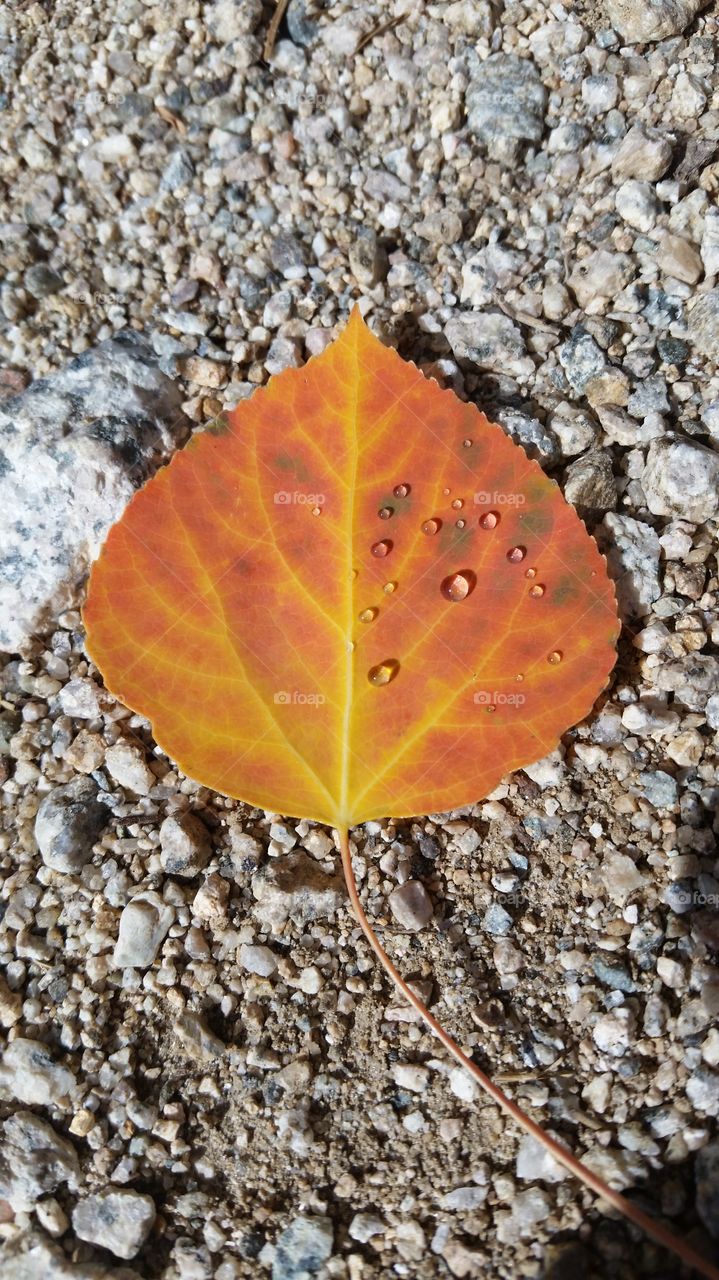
(381, 548)
(458, 503)
(368, 615)
(555, 657)
(458, 585)
(489, 520)
(515, 555)
(389, 587)
(383, 672)
(537, 590)
(401, 490)
(385, 513)
(431, 526)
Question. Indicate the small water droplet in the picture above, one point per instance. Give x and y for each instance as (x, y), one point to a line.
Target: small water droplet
(383, 672)
(431, 526)
(389, 587)
(519, 678)
(555, 657)
(354, 574)
(467, 444)
(489, 520)
(385, 513)
(381, 548)
(458, 585)
(460, 523)
(516, 554)
(530, 573)
(446, 492)
(368, 615)
(490, 708)
(458, 503)
(317, 511)
(401, 490)
(537, 590)
(350, 646)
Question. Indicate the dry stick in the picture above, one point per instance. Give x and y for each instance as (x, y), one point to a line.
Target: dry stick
(273, 28)
(561, 1153)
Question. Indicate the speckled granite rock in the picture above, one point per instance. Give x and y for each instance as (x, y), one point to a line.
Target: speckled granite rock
(95, 432)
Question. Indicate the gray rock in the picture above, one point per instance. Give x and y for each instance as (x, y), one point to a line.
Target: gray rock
(707, 1184)
(659, 788)
(653, 20)
(411, 905)
(295, 887)
(143, 928)
(615, 976)
(489, 340)
(302, 1248)
(573, 428)
(600, 275)
(692, 679)
(703, 324)
(506, 101)
(581, 358)
(287, 253)
(185, 846)
(95, 432)
(34, 1160)
(119, 1220)
(178, 173)
(536, 440)
(632, 550)
(637, 204)
(681, 478)
(68, 823)
(368, 260)
(703, 1090)
(198, 1041)
(40, 280)
(29, 1074)
(589, 484)
(497, 921)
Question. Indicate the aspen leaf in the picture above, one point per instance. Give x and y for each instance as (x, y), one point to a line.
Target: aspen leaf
(360, 599)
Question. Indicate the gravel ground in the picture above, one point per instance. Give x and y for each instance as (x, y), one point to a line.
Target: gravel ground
(204, 1075)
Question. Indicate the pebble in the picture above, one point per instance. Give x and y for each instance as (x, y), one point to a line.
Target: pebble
(489, 340)
(599, 277)
(185, 845)
(678, 258)
(294, 886)
(411, 905)
(196, 1038)
(408, 1076)
(29, 1073)
(69, 821)
(633, 550)
(259, 960)
(34, 1161)
(116, 1219)
(613, 1032)
(534, 1162)
(681, 478)
(127, 765)
(303, 1247)
(506, 101)
(497, 921)
(366, 1225)
(582, 359)
(589, 484)
(636, 202)
(703, 324)
(639, 24)
(464, 1199)
(144, 925)
(643, 153)
(659, 788)
(573, 428)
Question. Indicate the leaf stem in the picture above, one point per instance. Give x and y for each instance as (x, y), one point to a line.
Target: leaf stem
(560, 1153)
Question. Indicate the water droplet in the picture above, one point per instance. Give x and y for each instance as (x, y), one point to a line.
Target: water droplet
(519, 678)
(431, 526)
(460, 523)
(516, 554)
(537, 590)
(490, 708)
(458, 585)
(531, 573)
(381, 548)
(384, 513)
(389, 587)
(401, 490)
(354, 574)
(350, 646)
(446, 492)
(383, 672)
(368, 615)
(458, 503)
(317, 511)
(467, 444)
(555, 657)
(489, 520)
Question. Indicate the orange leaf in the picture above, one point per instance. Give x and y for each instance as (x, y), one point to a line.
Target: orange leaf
(361, 599)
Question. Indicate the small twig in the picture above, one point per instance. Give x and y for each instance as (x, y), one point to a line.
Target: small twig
(380, 30)
(274, 27)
